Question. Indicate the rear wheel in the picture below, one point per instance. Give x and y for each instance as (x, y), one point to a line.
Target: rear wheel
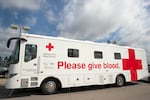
(120, 81)
(49, 87)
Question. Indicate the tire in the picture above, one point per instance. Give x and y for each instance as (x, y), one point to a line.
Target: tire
(120, 81)
(49, 87)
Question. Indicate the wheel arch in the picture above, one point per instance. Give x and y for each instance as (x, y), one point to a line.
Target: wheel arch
(120, 74)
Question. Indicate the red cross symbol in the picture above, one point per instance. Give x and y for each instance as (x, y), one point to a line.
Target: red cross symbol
(49, 46)
(132, 64)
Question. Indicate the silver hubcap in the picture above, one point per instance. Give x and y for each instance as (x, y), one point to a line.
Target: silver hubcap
(120, 81)
(50, 86)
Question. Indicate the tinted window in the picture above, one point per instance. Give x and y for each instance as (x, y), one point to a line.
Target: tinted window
(73, 53)
(117, 55)
(98, 54)
(30, 52)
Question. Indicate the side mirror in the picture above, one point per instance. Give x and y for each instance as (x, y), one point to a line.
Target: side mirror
(8, 43)
(15, 38)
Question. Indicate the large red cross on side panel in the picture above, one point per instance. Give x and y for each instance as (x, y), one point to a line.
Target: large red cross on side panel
(132, 64)
(49, 46)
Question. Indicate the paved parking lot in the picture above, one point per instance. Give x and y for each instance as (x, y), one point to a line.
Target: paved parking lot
(133, 91)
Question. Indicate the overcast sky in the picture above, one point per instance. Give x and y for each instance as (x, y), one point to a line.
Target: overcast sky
(125, 21)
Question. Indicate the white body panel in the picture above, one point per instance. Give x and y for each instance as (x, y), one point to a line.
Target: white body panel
(72, 71)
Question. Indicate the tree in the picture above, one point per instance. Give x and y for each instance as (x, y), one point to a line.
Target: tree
(6, 59)
(5, 62)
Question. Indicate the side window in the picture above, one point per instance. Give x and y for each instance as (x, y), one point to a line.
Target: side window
(117, 56)
(98, 54)
(30, 52)
(73, 53)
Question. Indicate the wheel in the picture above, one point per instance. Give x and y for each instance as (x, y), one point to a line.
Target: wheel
(120, 81)
(49, 87)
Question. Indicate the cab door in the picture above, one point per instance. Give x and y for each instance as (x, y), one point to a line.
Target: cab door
(30, 61)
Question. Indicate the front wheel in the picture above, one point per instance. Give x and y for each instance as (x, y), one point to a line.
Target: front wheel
(49, 87)
(120, 81)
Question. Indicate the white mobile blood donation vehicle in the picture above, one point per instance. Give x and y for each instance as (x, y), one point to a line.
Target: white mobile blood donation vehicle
(52, 63)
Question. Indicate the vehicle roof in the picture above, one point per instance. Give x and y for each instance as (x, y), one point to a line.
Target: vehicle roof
(73, 40)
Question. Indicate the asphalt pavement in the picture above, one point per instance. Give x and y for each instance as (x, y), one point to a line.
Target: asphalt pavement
(132, 91)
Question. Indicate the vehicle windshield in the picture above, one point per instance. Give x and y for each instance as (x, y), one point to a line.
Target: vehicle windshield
(14, 58)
